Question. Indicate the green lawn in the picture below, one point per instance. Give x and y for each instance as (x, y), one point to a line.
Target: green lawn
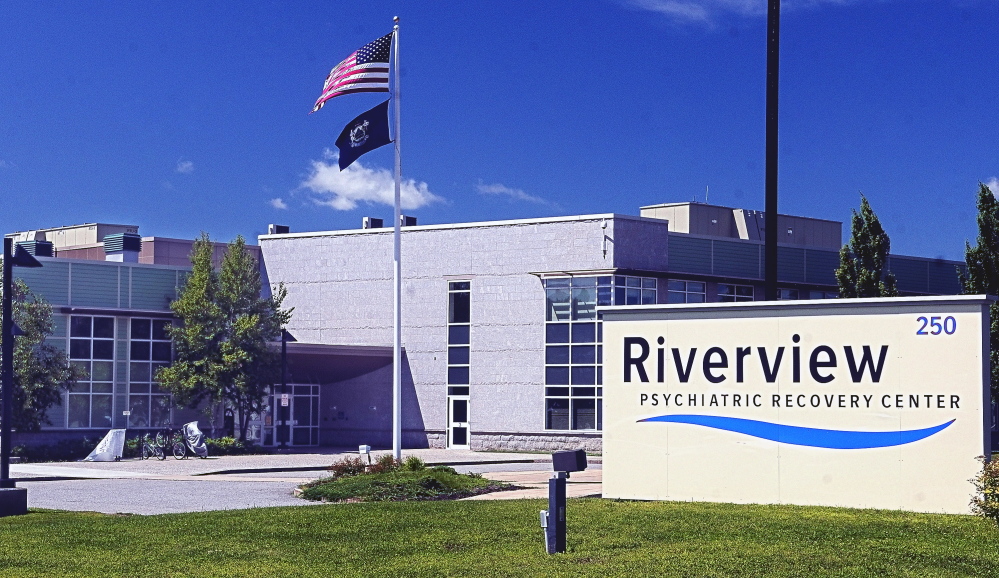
(501, 538)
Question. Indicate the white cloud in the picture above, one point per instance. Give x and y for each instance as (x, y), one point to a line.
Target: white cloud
(185, 167)
(707, 11)
(7, 164)
(278, 203)
(343, 190)
(993, 185)
(516, 194)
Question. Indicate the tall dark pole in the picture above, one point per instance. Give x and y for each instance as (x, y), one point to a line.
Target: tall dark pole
(8, 365)
(770, 221)
(283, 430)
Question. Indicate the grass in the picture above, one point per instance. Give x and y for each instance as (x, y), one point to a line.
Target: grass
(501, 538)
(437, 483)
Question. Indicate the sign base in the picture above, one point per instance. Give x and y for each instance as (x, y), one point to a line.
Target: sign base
(13, 501)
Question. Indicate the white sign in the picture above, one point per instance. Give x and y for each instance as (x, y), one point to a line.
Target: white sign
(284, 400)
(872, 403)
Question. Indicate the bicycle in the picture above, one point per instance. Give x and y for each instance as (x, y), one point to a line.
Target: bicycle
(151, 448)
(169, 438)
(179, 446)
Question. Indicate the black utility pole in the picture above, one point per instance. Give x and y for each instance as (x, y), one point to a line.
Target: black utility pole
(8, 364)
(770, 221)
(283, 409)
(11, 258)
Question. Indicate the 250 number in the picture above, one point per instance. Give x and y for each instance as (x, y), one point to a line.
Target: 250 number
(948, 326)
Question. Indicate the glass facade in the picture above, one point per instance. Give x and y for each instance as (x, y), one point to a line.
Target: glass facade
(459, 317)
(149, 349)
(573, 350)
(787, 294)
(728, 292)
(91, 349)
(685, 292)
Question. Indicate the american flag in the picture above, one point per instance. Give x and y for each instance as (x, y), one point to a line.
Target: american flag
(366, 70)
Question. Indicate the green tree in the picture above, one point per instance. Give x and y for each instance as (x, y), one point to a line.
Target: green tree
(862, 261)
(41, 371)
(221, 343)
(982, 276)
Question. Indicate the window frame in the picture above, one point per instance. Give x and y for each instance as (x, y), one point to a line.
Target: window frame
(81, 352)
(144, 395)
(734, 295)
(573, 344)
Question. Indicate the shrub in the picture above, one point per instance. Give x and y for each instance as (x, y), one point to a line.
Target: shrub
(384, 464)
(346, 467)
(986, 502)
(230, 446)
(132, 447)
(62, 451)
(413, 464)
(401, 484)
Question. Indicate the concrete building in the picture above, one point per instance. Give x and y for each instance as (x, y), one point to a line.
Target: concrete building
(502, 342)
(110, 291)
(501, 336)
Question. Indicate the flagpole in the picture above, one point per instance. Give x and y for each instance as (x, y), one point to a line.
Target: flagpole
(397, 292)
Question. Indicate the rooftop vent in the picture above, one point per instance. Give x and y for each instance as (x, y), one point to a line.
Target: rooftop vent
(407, 221)
(37, 248)
(273, 229)
(372, 223)
(122, 247)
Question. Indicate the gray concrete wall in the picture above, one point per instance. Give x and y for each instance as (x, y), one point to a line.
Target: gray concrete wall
(340, 284)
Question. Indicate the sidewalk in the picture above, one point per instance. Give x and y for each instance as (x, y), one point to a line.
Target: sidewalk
(264, 463)
(157, 487)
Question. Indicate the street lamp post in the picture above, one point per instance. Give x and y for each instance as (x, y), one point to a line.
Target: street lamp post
(284, 430)
(12, 500)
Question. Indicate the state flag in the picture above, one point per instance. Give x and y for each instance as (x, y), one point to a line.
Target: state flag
(365, 133)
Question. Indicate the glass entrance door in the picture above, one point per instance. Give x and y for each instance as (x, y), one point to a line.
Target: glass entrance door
(457, 419)
(301, 406)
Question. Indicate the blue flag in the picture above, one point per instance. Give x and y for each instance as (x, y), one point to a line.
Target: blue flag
(367, 132)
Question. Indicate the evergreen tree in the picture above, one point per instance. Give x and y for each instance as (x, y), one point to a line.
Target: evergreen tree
(862, 261)
(41, 371)
(982, 276)
(221, 343)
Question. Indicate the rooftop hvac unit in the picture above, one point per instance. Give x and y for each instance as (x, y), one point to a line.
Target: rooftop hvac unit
(372, 223)
(278, 229)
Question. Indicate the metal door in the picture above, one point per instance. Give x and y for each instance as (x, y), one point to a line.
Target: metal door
(457, 420)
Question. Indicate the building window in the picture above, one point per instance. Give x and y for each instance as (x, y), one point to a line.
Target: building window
(459, 315)
(634, 290)
(787, 294)
(573, 350)
(727, 292)
(685, 292)
(91, 349)
(149, 349)
(823, 295)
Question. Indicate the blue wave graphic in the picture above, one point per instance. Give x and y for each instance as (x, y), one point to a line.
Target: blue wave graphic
(805, 436)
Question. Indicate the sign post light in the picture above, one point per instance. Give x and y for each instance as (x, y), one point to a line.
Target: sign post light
(553, 519)
(13, 500)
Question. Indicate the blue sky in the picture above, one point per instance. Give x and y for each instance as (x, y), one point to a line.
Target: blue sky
(183, 117)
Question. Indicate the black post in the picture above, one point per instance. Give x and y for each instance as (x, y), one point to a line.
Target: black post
(555, 531)
(770, 220)
(283, 430)
(8, 364)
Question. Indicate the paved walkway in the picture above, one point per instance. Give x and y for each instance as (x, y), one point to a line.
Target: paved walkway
(236, 482)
